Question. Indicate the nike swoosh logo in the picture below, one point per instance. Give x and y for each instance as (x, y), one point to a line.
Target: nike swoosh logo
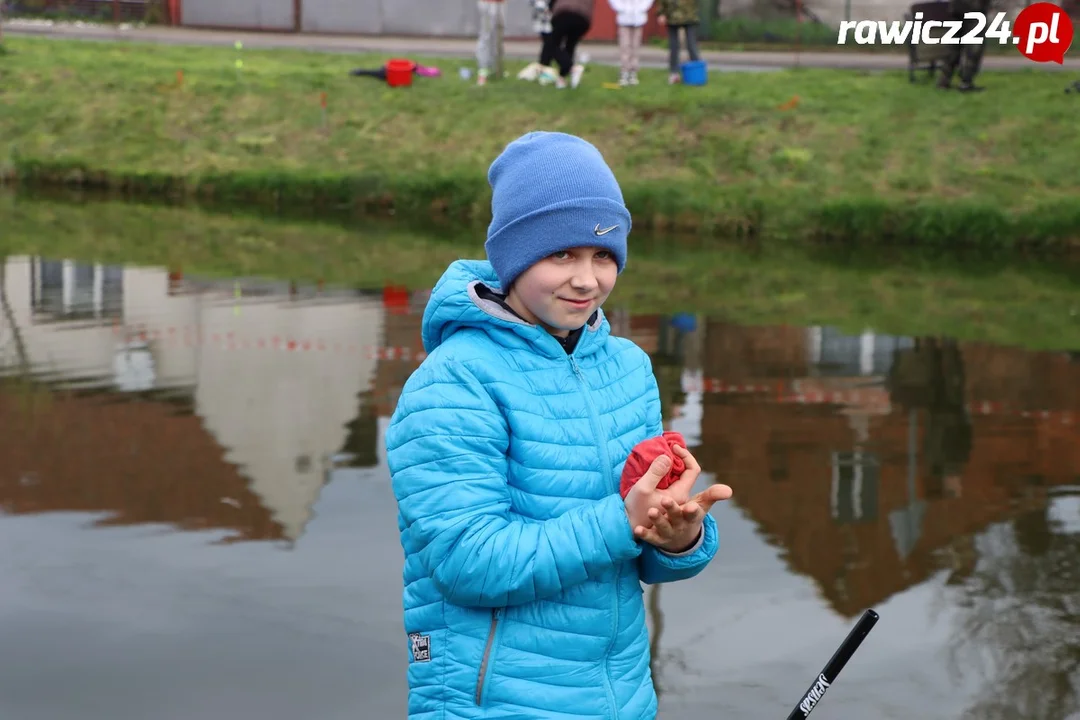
(605, 231)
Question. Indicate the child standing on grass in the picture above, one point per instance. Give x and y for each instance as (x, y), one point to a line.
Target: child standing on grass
(489, 40)
(523, 562)
(630, 16)
(679, 15)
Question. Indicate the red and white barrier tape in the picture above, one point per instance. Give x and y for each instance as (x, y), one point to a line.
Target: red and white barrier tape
(194, 337)
(875, 398)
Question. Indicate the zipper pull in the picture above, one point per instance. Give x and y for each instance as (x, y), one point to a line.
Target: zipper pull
(573, 364)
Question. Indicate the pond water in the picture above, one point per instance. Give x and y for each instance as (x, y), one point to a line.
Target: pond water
(197, 521)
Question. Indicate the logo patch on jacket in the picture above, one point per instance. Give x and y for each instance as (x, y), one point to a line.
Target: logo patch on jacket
(421, 647)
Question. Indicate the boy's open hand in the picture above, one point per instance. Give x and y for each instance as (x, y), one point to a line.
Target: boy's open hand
(672, 518)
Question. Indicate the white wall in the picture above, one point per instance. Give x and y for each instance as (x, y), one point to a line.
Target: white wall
(246, 14)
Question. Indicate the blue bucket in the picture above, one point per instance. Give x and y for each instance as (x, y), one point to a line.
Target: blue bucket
(694, 72)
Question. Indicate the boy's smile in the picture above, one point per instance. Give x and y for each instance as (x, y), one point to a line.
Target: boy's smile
(562, 291)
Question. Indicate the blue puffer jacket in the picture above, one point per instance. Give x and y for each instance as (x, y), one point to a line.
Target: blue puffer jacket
(523, 594)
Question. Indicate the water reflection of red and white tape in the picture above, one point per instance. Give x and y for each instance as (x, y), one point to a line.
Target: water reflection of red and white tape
(192, 337)
(395, 353)
(779, 392)
(879, 397)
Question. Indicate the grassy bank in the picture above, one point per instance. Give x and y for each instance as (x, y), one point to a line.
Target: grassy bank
(1029, 305)
(861, 159)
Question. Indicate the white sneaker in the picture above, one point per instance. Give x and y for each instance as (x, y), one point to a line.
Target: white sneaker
(632, 79)
(575, 75)
(624, 79)
(547, 76)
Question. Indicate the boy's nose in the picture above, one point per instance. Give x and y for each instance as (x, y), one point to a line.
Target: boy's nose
(583, 280)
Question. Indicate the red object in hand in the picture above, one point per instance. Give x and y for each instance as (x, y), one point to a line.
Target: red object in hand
(642, 456)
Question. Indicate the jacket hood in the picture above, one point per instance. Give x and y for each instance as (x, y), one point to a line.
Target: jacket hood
(455, 305)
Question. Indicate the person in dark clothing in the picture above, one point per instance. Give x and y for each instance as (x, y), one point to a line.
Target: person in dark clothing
(968, 58)
(570, 21)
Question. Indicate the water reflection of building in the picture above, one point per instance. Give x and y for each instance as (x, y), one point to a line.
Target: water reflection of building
(278, 378)
(865, 456)
(869, 457)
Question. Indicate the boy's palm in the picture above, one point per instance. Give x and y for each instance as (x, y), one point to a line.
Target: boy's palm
(645, 504)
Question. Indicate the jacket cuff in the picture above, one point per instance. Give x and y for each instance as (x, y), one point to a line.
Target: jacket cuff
(616, 531)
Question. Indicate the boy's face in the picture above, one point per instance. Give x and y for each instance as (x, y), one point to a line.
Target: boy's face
(561, 292)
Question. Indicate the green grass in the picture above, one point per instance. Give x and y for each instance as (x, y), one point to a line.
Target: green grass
(1029, 304)
(863, 159)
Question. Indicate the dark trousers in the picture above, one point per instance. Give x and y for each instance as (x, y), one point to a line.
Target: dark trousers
(673, 44)
(567, 29)
(968, 58)
(547, 50)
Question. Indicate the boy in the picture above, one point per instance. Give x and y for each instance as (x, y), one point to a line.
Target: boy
(523, 563)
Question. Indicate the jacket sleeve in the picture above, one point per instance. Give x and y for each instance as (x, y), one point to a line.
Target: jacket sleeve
(656, 566)
(618, 5)
(447, 452)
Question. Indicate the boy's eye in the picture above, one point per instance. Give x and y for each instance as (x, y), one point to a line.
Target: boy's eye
(604, 254)
(560, 255)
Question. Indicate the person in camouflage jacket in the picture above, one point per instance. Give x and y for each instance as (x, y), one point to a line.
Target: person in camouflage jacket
(966, 58)
(678, 12)
(679, 15)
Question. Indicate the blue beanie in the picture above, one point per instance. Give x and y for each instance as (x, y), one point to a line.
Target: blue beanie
(550, 192)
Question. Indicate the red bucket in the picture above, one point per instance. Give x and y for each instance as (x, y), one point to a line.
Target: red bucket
(399, 72)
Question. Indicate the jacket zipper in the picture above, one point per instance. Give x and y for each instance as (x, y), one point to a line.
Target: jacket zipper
(487, 655)
(605, 458)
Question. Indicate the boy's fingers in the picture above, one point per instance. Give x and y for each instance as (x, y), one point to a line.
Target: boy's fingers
(697, 517)
(661, 523)
(648, 535)
(676, 517)
(687, 457)
(654, 474)
(681, 488)
(713, 494)
(690, 511)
